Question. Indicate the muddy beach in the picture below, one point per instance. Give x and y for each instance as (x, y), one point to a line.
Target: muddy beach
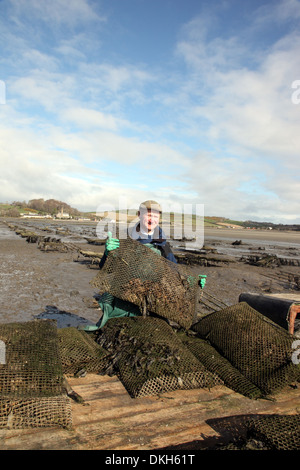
(40, 284)
(55, 283)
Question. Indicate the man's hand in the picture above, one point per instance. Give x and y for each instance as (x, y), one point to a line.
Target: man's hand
(111, 243)
(202, 280)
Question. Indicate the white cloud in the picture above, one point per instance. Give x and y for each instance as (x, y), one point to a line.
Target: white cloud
(215, 126)
(49, 90)
(89, 118)
(56, 12)
(246, 113)
(281, 11)
(75, 167)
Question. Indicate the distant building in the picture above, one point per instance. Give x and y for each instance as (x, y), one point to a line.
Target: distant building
(63, 215)
(30, 215)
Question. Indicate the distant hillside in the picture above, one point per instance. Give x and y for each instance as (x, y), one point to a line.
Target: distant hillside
(222, 222)
(37, 206)
(268, 225)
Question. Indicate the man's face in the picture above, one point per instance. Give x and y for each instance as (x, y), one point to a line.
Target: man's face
(149, 219)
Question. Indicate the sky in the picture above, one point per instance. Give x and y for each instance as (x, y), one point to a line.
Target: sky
(187, 102)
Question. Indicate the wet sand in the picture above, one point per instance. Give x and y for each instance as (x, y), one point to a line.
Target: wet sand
(34, 283)
(271, 236)
(37, 284)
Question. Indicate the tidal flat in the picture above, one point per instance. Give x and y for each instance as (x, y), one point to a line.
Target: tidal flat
(37, 283)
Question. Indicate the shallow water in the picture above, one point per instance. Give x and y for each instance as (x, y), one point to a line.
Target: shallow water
(63, 319)
(248, 247)
(6, 234)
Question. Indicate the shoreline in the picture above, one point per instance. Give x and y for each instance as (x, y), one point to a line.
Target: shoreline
(272, 236)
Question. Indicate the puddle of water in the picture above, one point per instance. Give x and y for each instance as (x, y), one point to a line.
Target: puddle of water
(63, 319)
(7, 234)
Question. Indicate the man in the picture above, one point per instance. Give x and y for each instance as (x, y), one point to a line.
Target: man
(148, 232)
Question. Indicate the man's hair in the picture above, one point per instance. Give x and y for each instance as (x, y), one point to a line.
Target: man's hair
(152, 205)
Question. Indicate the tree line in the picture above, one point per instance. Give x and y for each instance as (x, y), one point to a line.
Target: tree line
(40, 206)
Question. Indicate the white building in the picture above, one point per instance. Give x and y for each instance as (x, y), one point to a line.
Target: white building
(63, 215)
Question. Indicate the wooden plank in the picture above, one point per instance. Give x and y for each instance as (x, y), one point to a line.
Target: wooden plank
(111, 420)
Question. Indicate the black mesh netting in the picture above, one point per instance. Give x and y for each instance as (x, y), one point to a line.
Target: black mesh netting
(220, 366)
(149, 358)
(258, 348)
(257, 432)
(79, 350)
(136, 274)
(278, 432)
(31, 377)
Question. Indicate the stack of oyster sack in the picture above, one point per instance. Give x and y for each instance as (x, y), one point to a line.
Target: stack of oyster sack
(236, 346)
(32, 392)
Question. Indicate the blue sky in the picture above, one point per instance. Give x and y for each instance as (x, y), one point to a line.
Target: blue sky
(182, 101)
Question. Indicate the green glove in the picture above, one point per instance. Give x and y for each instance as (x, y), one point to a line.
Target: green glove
(192, 280)
(111, 243)
(152, 247)
(202, 280)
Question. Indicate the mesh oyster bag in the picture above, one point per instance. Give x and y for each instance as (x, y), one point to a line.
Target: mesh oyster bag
(220, 366)
(279, 432)
(79, 350)
(260, 349)
(149, 358)
(136, 274)
(31, 378)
